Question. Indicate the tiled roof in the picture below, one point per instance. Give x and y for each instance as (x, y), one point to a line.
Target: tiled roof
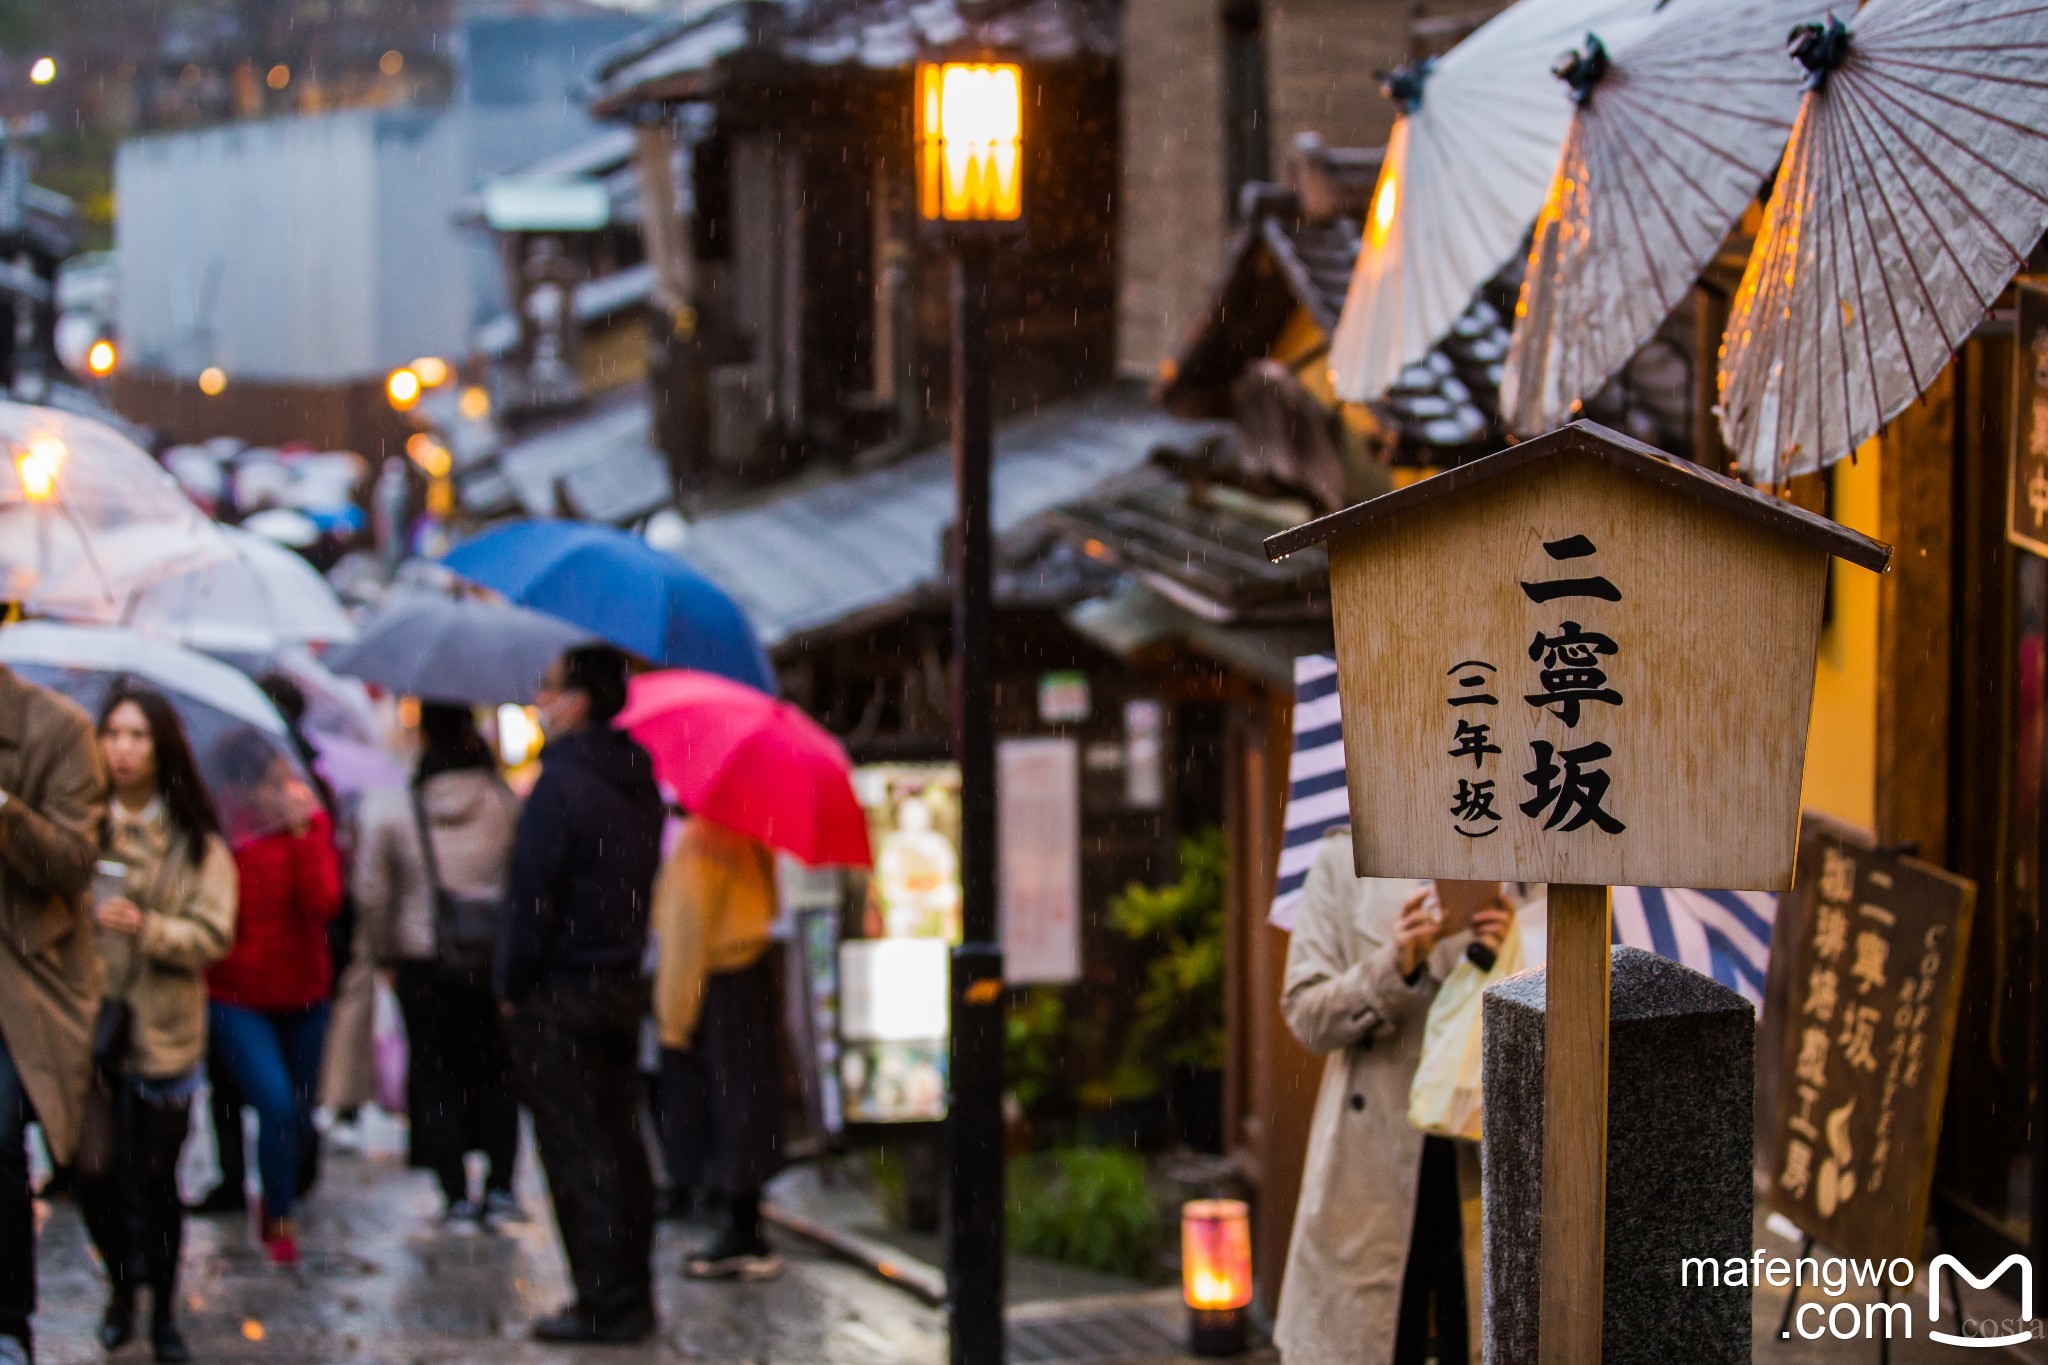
(1446, 401)
(682, 60)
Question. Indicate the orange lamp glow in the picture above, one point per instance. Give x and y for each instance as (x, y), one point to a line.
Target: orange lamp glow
(101, 358)
(429, 454)
(1216, 1274)
(1216, 1253)
(213, 381)
(432, 370)
(970, 142)
(402, 387)
(37, 467)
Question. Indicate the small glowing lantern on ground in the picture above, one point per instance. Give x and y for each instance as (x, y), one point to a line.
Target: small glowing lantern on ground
(1216, 1274)
(970, 142)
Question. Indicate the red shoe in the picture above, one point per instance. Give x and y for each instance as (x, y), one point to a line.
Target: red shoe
(280, 1241)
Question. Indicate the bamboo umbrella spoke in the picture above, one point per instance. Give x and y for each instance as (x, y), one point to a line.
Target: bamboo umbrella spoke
(1915, 183)
(1674, 142)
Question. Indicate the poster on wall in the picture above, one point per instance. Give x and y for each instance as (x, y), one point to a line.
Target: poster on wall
(2026, 522)
(894, 979)
(893, 1025)
(1038, 794)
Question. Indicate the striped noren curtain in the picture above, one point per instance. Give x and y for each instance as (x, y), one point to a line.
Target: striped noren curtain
(1722, 934)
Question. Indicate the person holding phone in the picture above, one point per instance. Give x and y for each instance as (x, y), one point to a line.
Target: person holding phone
(165, 910)
(1375, 1269)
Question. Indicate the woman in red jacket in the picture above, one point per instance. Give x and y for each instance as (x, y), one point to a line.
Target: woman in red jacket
(268, 996)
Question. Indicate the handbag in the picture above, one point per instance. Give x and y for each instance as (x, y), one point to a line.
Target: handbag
(465, 927)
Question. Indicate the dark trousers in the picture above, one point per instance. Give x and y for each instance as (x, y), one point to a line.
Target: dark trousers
(459, 1086)
(575, 1045)
(17, 1206)
(1433, 1285)
(679, 1097)
(224, 1106)
(131, 1208)
(739, 1042)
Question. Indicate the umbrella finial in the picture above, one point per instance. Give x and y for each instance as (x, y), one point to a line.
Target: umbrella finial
(1820, 48)
(1581, 68)
(1403, 85)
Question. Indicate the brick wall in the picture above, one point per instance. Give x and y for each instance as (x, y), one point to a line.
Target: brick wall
(1323, 59)
(1174, 215)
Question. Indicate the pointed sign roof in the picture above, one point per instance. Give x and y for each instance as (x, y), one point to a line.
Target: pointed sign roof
(1631, 457)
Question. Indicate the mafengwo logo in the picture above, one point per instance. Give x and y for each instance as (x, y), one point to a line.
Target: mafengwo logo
(1934, 1300)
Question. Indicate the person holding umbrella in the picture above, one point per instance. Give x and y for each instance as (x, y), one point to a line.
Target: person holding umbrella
(52, 799)
(269, 995)
(568, 976)
(756, 774)
(172, 914)
(429, 879)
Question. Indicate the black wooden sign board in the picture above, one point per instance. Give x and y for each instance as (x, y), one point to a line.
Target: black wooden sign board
(2026, 523)
(1866, 972)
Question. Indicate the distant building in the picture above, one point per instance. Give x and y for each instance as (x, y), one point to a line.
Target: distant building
(306, 257)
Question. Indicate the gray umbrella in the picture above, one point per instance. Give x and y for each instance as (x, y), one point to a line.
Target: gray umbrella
(456, 649)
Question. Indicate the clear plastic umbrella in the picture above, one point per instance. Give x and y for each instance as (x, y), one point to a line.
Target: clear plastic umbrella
(258, 599)
(1464, 176)
(1915, 184)
(245, 754)
(86, 516)
(1675, 132)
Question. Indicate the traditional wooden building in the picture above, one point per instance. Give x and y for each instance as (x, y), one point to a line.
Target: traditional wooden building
(805, 317)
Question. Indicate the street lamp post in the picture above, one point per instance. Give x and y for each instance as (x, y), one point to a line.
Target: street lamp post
(969, 117)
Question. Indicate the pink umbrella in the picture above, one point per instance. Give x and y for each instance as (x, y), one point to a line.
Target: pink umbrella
(744, 760)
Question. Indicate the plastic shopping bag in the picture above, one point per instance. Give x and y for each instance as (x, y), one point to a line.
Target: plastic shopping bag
(1445, 1097)
(388, 1040)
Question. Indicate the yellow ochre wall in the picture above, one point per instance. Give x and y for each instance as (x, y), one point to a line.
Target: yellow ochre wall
(1841, 742)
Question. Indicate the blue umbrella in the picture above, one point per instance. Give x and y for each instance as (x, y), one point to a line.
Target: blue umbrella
(616, 586)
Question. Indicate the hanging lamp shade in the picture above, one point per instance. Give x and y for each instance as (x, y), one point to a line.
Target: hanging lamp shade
(1674, 132)
(1915, 184)
(1464, 175)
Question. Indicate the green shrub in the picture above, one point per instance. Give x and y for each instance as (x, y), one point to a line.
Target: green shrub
(1035, 1028)
(1178, 1021)
(1087, 1207)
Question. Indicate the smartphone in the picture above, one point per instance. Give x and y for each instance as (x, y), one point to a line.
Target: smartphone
(109, 879)
(1462, 900)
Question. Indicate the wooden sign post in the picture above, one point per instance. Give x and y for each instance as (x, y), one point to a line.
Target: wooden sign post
(1585, 662)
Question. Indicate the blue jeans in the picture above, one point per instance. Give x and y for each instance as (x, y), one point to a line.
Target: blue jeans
(17, 1211)
(275, 1056)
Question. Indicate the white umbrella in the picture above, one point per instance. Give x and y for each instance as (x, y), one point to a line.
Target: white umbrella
(86, 515)
(226, 717)
(261, 597)
(1676, 130)
(284, 526)
(1915, 184)
(1464, 176)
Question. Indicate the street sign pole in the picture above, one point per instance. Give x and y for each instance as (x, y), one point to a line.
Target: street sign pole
(1575, 1019)
(974, 1148)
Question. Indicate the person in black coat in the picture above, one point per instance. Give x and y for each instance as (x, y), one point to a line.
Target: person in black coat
(569, 982)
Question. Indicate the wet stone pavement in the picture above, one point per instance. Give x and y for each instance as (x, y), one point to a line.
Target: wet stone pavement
(381, 1282)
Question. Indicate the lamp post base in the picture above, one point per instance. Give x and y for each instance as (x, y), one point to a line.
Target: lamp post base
(1218, 1332)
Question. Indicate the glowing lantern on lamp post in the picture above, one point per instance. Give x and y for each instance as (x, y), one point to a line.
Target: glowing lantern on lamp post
(968, 118)
(1216, 1274)
(970, 142)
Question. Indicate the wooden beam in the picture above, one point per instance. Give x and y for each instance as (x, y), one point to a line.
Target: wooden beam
(1575, 1125)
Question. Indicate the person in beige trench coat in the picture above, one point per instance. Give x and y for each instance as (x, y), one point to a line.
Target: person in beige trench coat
(1345, 995)
(52, 799)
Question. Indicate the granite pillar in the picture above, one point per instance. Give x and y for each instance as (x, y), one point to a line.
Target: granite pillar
(1680, 1094)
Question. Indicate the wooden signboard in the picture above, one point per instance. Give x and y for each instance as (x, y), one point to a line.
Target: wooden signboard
(2026, 523)
(1579, 661)
(1871, 977)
